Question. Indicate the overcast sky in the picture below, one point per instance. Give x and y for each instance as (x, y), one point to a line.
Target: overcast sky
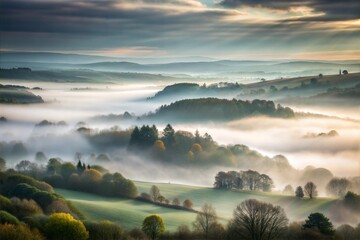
(237, 29)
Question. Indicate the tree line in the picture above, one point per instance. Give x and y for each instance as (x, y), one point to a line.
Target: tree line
(243, 180)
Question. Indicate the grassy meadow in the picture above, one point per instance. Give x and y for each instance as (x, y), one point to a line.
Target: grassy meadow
(130, 213)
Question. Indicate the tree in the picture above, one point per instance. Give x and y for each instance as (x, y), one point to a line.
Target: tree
(153, 226)
(154, 193)
(319, 222)
(338, 187)
(64, 226)
(346, 232)
(310, 190)
(53, 166)
(257, 220)
(2, 164)
(90, 179)
(345, 72)
(24, 166)
(40, 157)
(188, 204)
(161, 199)
(135, 136)
(159, 149)
(196, 148)
(299, 193)
(80, 167)
(288, 190)
(352, 201)
(168, 135)
(205, 219)
(266, 183)
(251, 179)
(176, 201)
(66, 169)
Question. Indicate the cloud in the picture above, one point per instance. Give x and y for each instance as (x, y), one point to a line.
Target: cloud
(333, 10)
(174, 27)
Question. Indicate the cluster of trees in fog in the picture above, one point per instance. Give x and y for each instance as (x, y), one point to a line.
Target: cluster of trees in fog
(167, 146)
(193, 90)
(94, 179)
(155, 196)
(214, 109)
(243, 180)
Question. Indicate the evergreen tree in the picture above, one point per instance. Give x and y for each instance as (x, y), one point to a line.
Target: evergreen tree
(320, 222)
(168, 135)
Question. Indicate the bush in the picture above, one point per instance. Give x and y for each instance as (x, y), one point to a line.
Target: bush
(188, 204)
(19, 232)
(6, 217)
(23, 207)
(105, 230)
(137, 234)
(64, 226)
(5, 203)
(14, 179)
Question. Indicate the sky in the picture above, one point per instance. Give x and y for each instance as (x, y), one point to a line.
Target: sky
(232, 29)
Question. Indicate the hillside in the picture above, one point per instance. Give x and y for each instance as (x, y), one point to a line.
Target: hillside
(130, 213)
(17, 94)
(214, 109)
(336, 80)
(78, 75)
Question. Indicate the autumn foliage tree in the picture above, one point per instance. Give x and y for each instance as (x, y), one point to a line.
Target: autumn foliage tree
(63, 226)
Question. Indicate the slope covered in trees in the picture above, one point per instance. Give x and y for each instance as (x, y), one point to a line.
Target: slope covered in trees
(214, 109)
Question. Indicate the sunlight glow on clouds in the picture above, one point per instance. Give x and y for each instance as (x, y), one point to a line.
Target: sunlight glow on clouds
(180, 27)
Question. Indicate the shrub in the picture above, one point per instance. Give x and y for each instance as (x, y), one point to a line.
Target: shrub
(19, 232)
(105, 230)
(64, 226)
(6, 217)
(188, 204)
(23, 207)
(5, 203)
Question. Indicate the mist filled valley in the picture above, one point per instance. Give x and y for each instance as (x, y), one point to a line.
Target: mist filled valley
(187, 131)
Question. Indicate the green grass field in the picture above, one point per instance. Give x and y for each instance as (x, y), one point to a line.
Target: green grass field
(130, 213)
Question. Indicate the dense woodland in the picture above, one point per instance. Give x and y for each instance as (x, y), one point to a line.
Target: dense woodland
(214, 109)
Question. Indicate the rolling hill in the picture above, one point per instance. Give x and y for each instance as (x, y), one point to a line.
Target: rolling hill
(130, 213)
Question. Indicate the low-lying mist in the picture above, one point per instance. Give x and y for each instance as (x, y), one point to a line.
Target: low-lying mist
(74, 102)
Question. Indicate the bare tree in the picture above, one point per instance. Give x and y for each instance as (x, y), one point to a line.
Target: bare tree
(176, 201)
(257, 221)
(338, 187)
(205, 219)
(154, 193)
(288, 190)
(310, 190)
